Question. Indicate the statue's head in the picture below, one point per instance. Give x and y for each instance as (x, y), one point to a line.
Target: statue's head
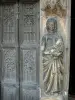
(51, 25)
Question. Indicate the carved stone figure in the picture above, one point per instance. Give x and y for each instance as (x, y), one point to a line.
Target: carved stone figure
(52, 52)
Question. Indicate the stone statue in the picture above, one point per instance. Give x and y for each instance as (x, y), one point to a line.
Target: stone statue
(52, 52)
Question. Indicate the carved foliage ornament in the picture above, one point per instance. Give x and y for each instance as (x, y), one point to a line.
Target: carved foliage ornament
(9, 63)
(54, 7)
(29, 63)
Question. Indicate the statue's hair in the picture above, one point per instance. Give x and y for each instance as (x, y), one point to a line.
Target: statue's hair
(54, 21)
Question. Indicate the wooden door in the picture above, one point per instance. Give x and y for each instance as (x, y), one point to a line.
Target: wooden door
(19, 51)
(29, 51)
(9, 52)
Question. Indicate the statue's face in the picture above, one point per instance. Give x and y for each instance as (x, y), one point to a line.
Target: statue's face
(50, 27)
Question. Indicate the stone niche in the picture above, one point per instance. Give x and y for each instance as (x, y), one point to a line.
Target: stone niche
(55, 26)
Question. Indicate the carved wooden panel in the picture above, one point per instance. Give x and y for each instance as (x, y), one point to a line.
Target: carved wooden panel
(28, 23)
(9, 64)
(29, 9)
(30, 94)
(29, 65)
(10, 93)
(9, 24)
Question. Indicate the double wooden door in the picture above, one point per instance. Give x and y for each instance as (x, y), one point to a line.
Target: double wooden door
(19, 51)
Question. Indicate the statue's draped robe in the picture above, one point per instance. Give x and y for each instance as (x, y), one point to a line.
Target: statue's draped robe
(53, 68)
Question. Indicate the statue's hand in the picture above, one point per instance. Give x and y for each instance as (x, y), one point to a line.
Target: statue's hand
(52, 50)
(46, 52)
